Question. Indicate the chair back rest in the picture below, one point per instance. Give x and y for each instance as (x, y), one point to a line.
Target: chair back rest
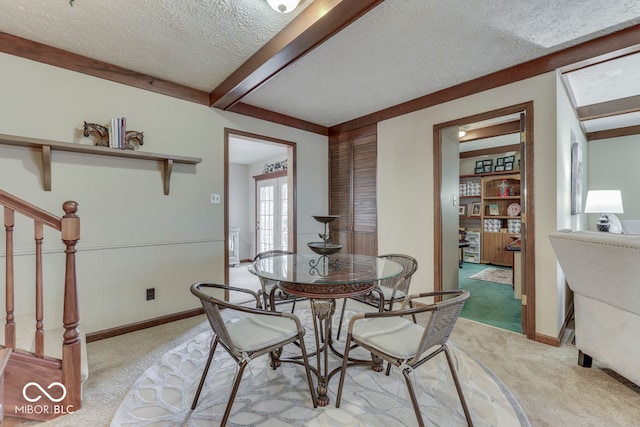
(211, 307)
(443, 318)
(268, 283)
(409, 266)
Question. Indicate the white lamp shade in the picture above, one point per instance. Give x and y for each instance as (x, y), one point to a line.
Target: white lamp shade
(283, 6)
(604, 201)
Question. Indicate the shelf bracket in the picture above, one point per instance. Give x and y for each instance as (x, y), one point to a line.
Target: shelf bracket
(46, 167)
(166, 175)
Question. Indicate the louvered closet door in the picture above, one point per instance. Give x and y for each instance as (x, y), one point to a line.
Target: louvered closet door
(353, 194)
(340, 194)
(365, 216)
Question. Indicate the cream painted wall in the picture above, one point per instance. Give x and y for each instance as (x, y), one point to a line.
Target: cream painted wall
(132, 236)
(240, 207)
(613, 165)
(568, 132)
(405, 178)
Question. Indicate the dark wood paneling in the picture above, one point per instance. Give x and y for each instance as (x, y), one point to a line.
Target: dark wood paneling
(340, 191)
(352, 192)
(365, 243)
(314, 25)
(365, 217)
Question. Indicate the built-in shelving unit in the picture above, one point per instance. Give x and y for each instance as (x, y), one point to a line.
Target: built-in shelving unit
(47, 147)
(500, 221)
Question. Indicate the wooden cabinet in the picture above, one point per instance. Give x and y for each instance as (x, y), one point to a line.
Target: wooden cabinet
(352, 193)
(500, 217)
(493, 249)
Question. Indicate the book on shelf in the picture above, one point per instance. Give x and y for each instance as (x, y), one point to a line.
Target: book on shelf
(117, 132)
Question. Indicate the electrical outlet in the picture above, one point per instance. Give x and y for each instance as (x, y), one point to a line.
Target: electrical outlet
(215, 199)
(151, 294)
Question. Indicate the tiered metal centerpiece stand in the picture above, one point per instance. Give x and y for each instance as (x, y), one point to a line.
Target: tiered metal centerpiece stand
(325, 248)
(322, 310)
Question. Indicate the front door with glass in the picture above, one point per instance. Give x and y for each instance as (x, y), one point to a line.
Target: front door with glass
(272, 214)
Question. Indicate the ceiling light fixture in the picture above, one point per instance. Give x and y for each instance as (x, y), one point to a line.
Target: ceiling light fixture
(283, 6)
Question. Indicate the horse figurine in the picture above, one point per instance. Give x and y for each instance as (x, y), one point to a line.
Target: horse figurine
(133, 136)
(101, 131)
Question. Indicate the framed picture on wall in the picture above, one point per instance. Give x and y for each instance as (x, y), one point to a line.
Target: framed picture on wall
(479, 164)
(494, 209)
(500, 168)
(475, 209)
(576, 177)
(508, 166)
(478, 170)
(487, 168)
(499, 162)
(462, 210)
(487, 162)
(510, 159)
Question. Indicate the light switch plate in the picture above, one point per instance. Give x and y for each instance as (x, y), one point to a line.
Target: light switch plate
(215, 199)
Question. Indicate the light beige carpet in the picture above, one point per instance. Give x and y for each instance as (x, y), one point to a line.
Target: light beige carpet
(546, 380)
(497, 275)
(163, 394)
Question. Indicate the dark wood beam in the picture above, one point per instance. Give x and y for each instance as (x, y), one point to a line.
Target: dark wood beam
(61, 58)
(490, 151)
(619, 40)
(260, 113)
(609, 108)
(314, 25)
(613, 133)
(491, 131)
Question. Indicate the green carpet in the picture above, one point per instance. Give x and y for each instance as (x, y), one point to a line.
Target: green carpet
(490, 303)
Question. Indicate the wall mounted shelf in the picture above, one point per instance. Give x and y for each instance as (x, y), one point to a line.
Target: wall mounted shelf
(48, 146)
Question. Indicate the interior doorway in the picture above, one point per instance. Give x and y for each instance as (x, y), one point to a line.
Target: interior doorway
(257, 166)
(516, 119)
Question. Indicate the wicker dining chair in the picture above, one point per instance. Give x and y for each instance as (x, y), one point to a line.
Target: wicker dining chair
(392, 290)
(269, 286)
(401, 342)
(258, 333)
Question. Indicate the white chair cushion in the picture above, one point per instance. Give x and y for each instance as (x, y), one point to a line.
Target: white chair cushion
(386, 292)
(395, 336)
(255, 332)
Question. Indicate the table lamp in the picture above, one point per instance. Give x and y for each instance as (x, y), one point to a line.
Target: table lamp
(607, 203)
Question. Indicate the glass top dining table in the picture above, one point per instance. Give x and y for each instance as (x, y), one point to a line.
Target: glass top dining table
(322, 279)
(322, 276)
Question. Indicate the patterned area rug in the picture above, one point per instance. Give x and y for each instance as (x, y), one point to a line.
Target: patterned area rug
(162, 396)
(497, 275)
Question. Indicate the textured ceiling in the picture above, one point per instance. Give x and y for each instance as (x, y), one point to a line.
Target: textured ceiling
(196, 43)
(400, 50)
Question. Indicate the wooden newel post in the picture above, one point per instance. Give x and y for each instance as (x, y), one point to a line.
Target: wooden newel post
(10, 325)
(70, 225)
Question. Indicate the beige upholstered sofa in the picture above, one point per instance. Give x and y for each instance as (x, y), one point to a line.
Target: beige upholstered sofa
(603, 271)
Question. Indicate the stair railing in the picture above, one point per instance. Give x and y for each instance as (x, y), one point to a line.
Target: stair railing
(69, 227)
